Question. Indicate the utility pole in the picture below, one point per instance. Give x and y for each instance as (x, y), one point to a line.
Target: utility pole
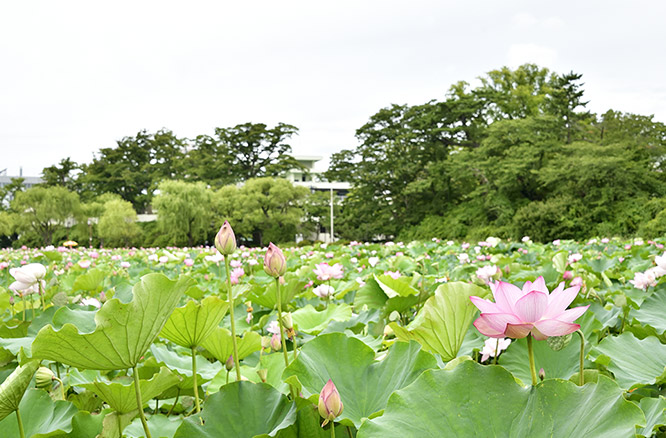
(332, 238)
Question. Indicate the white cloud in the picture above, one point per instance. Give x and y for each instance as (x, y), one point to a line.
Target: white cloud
(524, 19)
(519, 54)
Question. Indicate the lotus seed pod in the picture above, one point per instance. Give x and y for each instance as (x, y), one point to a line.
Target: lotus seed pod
(556, 343)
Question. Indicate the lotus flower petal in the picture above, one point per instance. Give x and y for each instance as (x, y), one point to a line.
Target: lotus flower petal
(494, 324)
(485, 306)
(572, 314)
(555, 327)
(559, 300)
(506, 294)
(532, 306)
(518, 331)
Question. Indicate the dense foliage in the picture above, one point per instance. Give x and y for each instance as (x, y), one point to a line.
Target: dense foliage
(122, 335)
(516, 155)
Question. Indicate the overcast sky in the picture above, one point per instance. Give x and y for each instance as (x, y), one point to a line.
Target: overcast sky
(77, 76)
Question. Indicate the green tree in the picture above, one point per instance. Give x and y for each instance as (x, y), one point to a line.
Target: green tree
(62, 174)
(117, 225)
(8, 192)
(136, 166)
(263, 209)
(184, 213)
(45, 209)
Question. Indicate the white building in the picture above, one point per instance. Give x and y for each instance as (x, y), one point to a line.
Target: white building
(315, 181)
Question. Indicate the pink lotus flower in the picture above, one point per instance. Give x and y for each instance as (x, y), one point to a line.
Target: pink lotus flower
(492, 348)
(393, 274)
(516, 314)
(326, 272)
(85, 264)
(236, 274)
(188, 262)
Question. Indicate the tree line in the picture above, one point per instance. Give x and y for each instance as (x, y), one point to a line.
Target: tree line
(516, 154)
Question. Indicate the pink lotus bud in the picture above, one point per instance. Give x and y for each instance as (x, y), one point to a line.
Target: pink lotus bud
(229, 364)
(225, 241)
(542, 374)
(275, 341)
(275, 264)
(568, 275)
(330, 405)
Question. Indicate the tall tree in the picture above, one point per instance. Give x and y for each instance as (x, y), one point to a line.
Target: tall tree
(184, 211)
(136, 166)
(117, 225)
(44, 209)
(62, 174)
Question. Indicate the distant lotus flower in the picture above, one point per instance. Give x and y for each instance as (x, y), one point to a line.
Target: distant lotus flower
(326, 272)
(464, 258)
(516, 314)
(489, 345)
(3, 265)
(393, 274)
(91, 302)
(642, 280)
(85, 264)
(236, 274)
(324, 291)
(661, 265)
(567, 275)
(188, 262)
(216, 258)
(486, 273)
(273, 327)
(236, 263)
(93, 255)
(252, 262)
(164, 259)
(275, 264)
(225, 240)
(329, 255)
(573, 258)
(125, 265)
(152, 257)
(330, 406)
(373, 261)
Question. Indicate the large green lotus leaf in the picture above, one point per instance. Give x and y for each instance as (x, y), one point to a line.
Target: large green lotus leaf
(114, 423)
(634, 361)
(159, 425)
(309, 320)
(182, 364)
(123, 333)
(364, 384)
(556, 364)
(653, 311)
(188, 326)
(239, 410)
(265, 295)
(41, 416)
(218, 343)
(308, 424)
(474, 400)
(90, 280)
(444, 319)
(394, 287)
(14, 386)
(370, 295)
(84, 320)
(655, 414)
(84, 425)
(122, 398)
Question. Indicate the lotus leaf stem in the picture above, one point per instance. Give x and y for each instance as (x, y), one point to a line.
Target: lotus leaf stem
(581, 377)
(20, 424)
(332, 429)
(282, 340)
(139, 404)
(194, 379)
(231, 317)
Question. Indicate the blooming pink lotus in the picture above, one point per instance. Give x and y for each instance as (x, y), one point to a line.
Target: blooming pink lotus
(517, 313)
(326, 272)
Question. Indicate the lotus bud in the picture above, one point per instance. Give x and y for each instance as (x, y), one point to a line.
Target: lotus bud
(44, 377)
(287, 322)
(275, 342)
(225, 240)
(275, 264)
(262, 373)
(330, 405)
(229, 364)
(265, 342)
(542, 374)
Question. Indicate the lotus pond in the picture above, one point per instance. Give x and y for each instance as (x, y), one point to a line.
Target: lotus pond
(370, 340)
